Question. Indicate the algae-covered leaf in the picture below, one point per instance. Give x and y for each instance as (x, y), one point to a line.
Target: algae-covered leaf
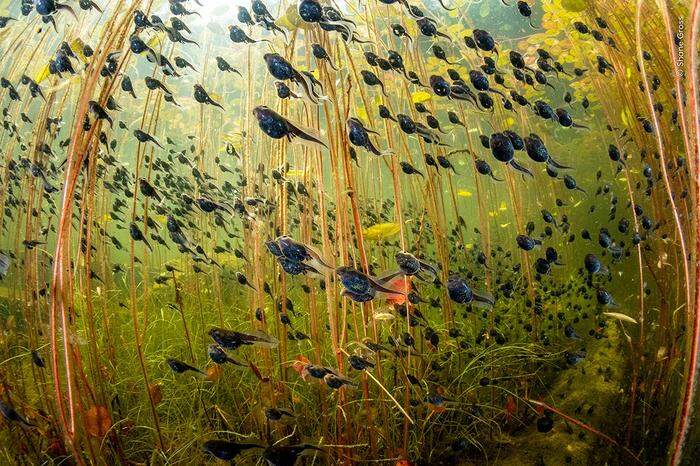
(381, 231)
(620, 316)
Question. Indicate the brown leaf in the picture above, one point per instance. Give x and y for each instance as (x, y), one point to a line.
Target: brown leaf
(98, 421)
(156, 392)
(214, 372)
(511, 406)
(298, 365)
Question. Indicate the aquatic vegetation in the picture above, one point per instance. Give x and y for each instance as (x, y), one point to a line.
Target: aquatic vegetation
(298, 231)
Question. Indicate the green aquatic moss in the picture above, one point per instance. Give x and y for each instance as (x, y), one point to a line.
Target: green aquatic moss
(596, 383)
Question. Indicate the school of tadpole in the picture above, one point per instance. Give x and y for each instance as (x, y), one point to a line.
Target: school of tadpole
(406, 232)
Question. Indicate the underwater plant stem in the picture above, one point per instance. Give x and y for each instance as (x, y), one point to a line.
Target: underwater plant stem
(693, 345)
(78, 149)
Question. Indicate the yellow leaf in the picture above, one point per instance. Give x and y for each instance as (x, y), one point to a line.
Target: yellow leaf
(362, 113)
(504, 225)
(455, 29)
(574, 6)
(381, 231)
(420, 97)
(626, 116)
(155, 39)
(503, 207)
(43, 74)
(464, 193)
(76, 46)
(290, 20)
